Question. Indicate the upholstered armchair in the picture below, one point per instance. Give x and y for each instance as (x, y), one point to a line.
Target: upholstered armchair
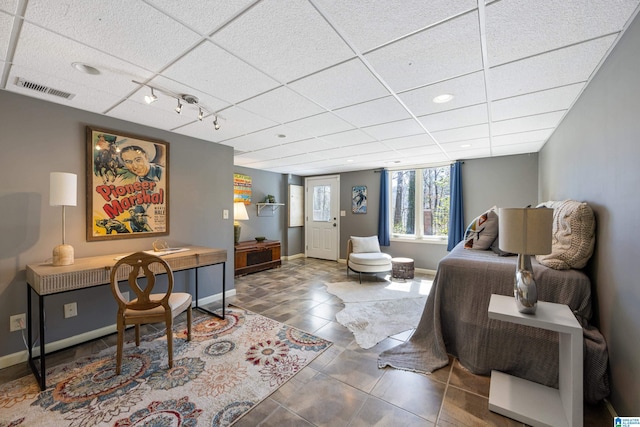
(364, 256)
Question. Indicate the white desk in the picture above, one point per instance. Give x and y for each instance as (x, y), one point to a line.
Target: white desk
(530, 402)
(46, 279)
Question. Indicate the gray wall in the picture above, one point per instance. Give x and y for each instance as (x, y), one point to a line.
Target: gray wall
(593, 157)
(508, 181)
(39, 137)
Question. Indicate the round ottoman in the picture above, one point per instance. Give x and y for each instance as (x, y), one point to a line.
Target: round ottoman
(401, 268)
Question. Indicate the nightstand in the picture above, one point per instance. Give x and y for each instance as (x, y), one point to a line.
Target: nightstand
(530, 402)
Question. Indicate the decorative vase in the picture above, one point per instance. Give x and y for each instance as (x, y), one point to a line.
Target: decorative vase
(524, 287)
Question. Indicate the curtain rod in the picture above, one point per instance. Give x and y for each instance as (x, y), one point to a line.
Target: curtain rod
(416, 167)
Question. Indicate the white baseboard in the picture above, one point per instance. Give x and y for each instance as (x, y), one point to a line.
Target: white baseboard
(22, 356)
(290, 257)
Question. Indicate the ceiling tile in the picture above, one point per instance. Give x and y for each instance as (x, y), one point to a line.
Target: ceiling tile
(148, 115)
(535, 103)
(460, 117)
(104, 26)
(394, 129)
(350, 137)
(210, 69)
(508, 150)
(467, 146)
(409, 142)
(382, 110)
(286, 39)
(6, 24)
(467, 90)
(85, 98)
(557, 68)
(210, 103)
(8, 5)
(281, 105)
(342, 85)
(355, 18)
(202, 16)
(522, 137)
(539, 121)
(265, 138)
(308, 146)
(442, 52)
(233, 122)
(544, 25)
(320, 124)
(461, 134)
(353, 150)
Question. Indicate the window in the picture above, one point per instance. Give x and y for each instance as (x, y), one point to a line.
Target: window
(419, 203)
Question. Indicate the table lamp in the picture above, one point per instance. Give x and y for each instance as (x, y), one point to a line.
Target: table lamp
(239, 213)
(526, 232)
(62, 192)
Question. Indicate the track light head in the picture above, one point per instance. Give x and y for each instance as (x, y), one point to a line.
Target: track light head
(150, 98)
(179, 107)
(216, 125)
(200, 114)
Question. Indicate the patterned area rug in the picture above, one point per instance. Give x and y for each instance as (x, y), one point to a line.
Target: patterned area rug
(375, 311)
(228, 367)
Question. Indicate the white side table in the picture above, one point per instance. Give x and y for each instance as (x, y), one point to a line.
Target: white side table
(530, 402)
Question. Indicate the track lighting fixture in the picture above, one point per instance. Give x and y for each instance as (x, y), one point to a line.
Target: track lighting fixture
(179, 107)
(200, 114)
(216, 125)
(150, 98)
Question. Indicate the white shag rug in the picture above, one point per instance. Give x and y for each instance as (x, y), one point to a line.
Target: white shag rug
(375, 311)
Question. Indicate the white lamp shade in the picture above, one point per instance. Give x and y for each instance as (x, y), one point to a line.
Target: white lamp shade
(63, 189)
(525, 231)
(240, 211)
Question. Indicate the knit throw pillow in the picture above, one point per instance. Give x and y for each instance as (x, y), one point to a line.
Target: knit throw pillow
(574, 227)
(482, 231)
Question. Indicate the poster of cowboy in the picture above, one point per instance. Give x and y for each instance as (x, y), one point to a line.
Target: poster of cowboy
(127, 186)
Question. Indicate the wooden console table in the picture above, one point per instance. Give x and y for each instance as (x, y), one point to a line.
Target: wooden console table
(252, 256)
(46, 279)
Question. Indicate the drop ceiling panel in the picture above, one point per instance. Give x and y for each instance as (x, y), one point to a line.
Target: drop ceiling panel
(164, 107)
(468, 146)
(277, 135)
(320, 124)
(382, 110)
(536, 103)
(458, 118)
(467, 90)
(549, 24)
(281, 105)
(287, 39)
(309, 146)
(210, 69)
(508, 150)
(6, 24)
(85, 98)
(558, 68)
(202, 16)
(350, 137)
(394, 129)
(409, 142)
(233, 122)
(53, 55)
(522, 137)
(147, 115)
(354, 150)
(539, 121)
(298, 159)
(462, 134)
(341, 85)
(444, 51)
(104, 26)
(355, 18)
(8, 5)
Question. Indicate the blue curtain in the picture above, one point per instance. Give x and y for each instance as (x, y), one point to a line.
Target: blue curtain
(383, 214)
(456, 214)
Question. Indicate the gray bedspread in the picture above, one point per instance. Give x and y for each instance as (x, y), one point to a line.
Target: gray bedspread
(455, 321)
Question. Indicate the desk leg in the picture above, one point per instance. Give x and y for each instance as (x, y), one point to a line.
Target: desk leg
(224, 268)
(40, 375)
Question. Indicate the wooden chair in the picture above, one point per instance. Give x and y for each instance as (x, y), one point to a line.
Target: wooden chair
(147, 307)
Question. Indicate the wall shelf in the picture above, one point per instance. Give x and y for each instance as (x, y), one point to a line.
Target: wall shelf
(273, 206)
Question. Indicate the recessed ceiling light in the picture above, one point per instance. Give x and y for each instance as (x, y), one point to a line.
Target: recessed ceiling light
(349, 160)
(441, 99)
(281, 135)
(465, 146)
(85, 68)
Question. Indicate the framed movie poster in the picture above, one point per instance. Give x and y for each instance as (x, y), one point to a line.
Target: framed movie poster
(127, 186)
(359, 199)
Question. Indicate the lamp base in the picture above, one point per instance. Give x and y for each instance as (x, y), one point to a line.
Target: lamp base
(236, 233)
(524, 287)
(63, 255)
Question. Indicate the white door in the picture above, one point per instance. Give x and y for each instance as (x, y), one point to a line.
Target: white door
(322, 217)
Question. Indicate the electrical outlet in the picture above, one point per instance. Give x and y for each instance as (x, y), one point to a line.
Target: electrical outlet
(17, 322)
(70, 310)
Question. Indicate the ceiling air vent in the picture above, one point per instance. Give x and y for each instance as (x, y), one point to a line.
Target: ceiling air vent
(43, 89)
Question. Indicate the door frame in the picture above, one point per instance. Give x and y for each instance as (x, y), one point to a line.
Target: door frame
(337, 205)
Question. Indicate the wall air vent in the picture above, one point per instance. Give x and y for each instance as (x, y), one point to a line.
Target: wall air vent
(43, 89)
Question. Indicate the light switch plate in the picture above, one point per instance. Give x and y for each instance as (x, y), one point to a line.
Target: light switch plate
(225, 214)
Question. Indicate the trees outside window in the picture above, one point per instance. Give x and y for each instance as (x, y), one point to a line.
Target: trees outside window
(420, 201)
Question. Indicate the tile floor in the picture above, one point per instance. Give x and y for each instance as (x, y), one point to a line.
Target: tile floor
(343, 386)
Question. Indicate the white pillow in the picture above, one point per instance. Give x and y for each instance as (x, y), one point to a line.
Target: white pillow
(363, 245)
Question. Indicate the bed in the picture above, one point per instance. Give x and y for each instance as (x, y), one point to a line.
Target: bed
(455, 321)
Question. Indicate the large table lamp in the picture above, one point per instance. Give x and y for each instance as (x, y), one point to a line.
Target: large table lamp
(239, 213)
(526, 232)
(63, 192)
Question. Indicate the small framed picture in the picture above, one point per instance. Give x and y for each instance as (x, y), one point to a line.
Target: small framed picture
(359, 199)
